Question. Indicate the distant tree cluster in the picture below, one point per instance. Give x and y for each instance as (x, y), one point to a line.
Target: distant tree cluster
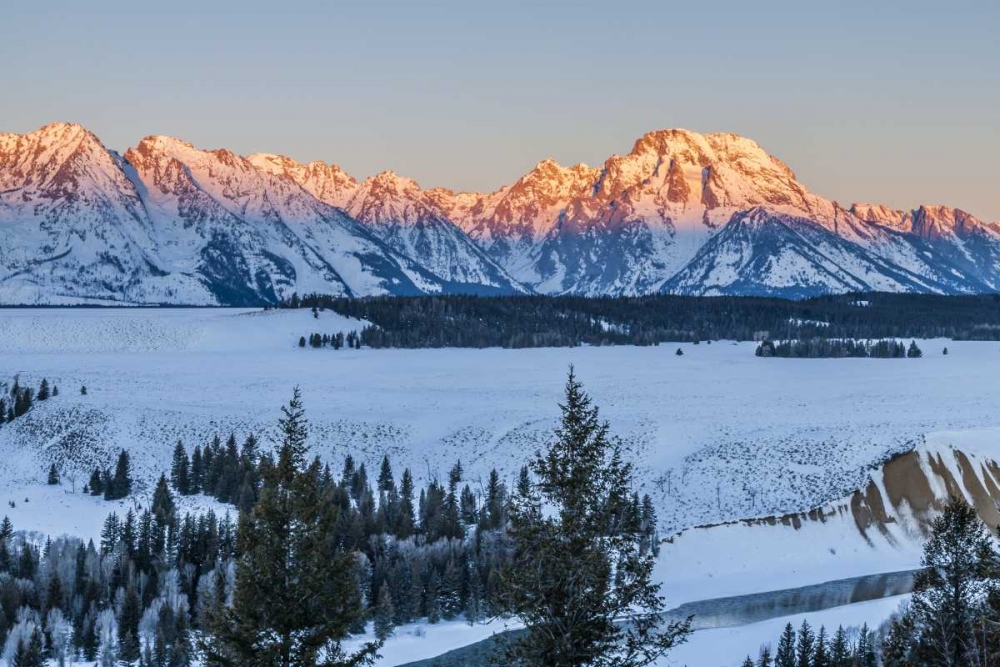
(818, 348)
(18, 399)
(103, 483)
(809, 648)
(335, 341)
(227, 472)
(540, 321)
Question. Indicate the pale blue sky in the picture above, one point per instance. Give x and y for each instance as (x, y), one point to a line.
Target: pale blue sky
(888, 101)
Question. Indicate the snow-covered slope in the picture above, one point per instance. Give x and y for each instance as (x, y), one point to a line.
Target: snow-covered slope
(880, 527)
(73, 226)
(681, 212)
(398, 212)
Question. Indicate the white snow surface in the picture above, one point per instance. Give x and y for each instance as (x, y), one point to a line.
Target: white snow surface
(716, 434)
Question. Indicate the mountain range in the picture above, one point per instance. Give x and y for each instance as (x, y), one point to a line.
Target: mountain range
(685, 213)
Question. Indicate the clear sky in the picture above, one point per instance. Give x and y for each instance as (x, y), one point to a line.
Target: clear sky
(880, 100)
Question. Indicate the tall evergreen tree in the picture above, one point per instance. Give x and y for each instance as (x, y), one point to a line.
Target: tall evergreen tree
(840, 649)
(578, 568)
(952, 590)
(180, 470)
(785, 654)
(296, 594)
(806, 646)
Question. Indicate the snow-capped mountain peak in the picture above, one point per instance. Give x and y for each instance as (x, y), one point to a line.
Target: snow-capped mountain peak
(680, 211)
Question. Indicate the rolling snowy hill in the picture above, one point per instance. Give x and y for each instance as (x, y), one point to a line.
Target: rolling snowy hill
(681, 212)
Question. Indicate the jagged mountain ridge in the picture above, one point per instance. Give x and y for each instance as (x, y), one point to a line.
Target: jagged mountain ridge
(681, 212)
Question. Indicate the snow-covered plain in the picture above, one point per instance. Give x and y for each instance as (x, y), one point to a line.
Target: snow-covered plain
(716, 434)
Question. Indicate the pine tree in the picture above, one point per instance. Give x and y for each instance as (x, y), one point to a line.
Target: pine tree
(805, 647)
(914, 352)
(385, 479)
(899, 648)
(43, 390)
(821, 657)
(840, 650)
(577, 569)
(865, 655)
(120, 485)
(53, 475)
(180, 469)
(384, 613)
(785, 655)
(765, 657)
(297, 594)
(29, 654)
(96, 483)
(951, 591)
(197, 478)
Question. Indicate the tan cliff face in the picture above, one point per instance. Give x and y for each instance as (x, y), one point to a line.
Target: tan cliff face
(905, 495)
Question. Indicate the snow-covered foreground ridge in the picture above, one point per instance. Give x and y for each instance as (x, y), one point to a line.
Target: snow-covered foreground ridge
(681, 212)
(880, 527)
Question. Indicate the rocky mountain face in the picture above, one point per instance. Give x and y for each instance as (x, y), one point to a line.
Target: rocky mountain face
(681, 212)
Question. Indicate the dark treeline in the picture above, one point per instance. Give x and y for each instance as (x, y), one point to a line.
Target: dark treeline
(17, 399)
(537, 321)
(817, 348)
(434, 553)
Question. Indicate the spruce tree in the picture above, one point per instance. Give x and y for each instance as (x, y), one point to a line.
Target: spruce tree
(53, 475)
(30, 653)
(951, 591)
(384, 613)
(821, 656)
(866, 654)
(840, 649)
(806, 646)
(180, 469)
(120, 485)
(297, 594)
(578, 567)
(900, 646)
(785, 654)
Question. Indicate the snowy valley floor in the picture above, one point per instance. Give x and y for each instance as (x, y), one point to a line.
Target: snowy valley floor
(717, 434)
